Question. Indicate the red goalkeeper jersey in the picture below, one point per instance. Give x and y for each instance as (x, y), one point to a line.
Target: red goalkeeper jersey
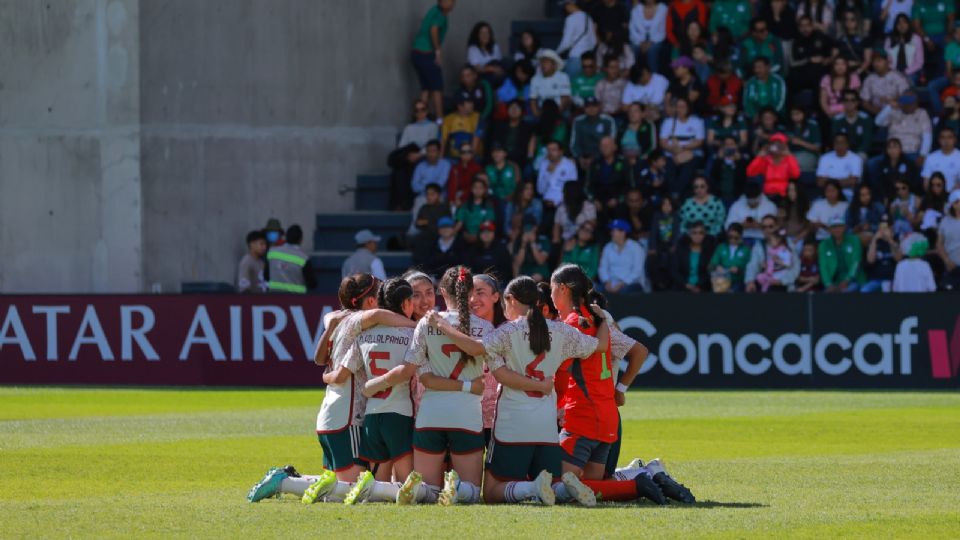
(588, 397)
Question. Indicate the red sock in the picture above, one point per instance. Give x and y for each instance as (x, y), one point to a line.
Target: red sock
(613, 490)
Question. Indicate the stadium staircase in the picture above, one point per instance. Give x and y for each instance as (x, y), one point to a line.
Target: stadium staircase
(333, 236)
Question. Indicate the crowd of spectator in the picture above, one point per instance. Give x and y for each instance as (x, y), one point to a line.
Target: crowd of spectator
(731, 145)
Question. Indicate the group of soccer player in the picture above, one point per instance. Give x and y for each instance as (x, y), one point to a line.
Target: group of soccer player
(523, 380)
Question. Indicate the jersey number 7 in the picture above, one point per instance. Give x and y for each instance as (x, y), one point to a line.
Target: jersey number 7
(450, 348)
(377, 371)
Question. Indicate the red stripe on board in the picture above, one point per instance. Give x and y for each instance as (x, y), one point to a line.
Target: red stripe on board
(939, 357)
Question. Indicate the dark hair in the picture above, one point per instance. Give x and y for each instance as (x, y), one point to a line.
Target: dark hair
(816, 14)
(762, 59)
(355, 289)
(393, 293)
(836, 185)
(546, 300)
(587, 56)
(294, 234)
(433, 186)
(735, 227)
(932, 201)
(608, 58)
(855, 204)
(848, 93)
(433, 142)
(894, 36)
(637, 71)
(945, 128)
(527, 55)
(805, 16)
(498, 316)
(573, 200)
(755, 20)
(549, 118)
(457, 282)
(795, 209)
(696, 224)
(518, 194)
(524, 290)
(724, 48)
(597, 297)
(253, 236)
(573, 277)
(526, 67)
(474, 38)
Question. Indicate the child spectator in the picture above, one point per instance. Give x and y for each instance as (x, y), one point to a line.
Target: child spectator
(730, 259)
(250, 271)
(913, 273)
(479, 209)
(622, 262)
(777, 271)
(809, 278)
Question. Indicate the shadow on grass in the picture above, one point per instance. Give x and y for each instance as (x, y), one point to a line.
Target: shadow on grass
(718, 504)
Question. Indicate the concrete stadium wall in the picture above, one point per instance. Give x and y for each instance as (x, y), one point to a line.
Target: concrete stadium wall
(140, 140)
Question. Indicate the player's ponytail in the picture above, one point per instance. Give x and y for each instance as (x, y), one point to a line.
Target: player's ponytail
(581, 290)
(546, 300)
(457, 284)
(393, 294)
(355, 289)
(525, 291)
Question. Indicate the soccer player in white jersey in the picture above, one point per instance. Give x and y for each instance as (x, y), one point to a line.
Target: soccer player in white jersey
(449, 418)
(524, 460)
(485, 303)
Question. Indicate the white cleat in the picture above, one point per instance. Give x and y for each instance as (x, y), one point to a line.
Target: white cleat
(408, 491)
(545, 488)
(635, 463)
(448, 495)
(578, 490)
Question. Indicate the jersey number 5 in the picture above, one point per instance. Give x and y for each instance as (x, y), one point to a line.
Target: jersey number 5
(449, 349)
(535, 373)
(377, 371)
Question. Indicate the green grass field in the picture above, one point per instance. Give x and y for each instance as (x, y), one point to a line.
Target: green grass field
(162, 463)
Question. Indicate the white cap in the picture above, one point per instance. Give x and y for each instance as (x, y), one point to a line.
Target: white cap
(364, 236)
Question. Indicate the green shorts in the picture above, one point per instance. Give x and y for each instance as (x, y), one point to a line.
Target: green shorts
(341, 449)
(439, 441)
(522, 462)
(386, 436)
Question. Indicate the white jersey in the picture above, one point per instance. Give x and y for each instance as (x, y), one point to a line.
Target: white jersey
(381, 349)
(433, 352)
(620, 343)
(344, 404)
(531, 417)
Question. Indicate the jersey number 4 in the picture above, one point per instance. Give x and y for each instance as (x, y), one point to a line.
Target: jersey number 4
(535, 373)
(449, 349)
(377, 371)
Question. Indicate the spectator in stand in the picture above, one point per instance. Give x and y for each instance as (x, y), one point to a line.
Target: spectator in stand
(830, 209)
(909, 124)
(531, 252)
(810, 55)
(768, 126)
(809, 278)
(653, 178)
(289, 269)
(729, 171)
(447, 251)
(781, 19)
(690, 264)
(609, 90)
(529, 48)
(584, 85)
(645, 87)
(949, 112)
(515, 87)
(732, 14)
(579, 36)
(932, 20)
(550, 84)
(617, 47)
(820, 13)
(583, 251)
(479, 91)
(512, 135)
(421, 130)
(483, 53)
(764, 89)
(684, 84)
(461, 176)
(611, 17)
(681, 12)
(489, 254)
(661, 243)
(803, 133)
(622, 263)
(460, 127)
(948, 242)
(834, 84)
(776, 165)
(932, 207)
(426, 55)
(703, 208)
(608, 177)
(638, 212)
(841, 165)
(883, 85)
(503, 174)
(793, 214)
(574, 212)
(905, 49)
(946, 160)
(895, 168)
(855, 124)
(431, 170)
(913, 273)
(852, 44)
(273, 232)
(363, 261)
(551, 126)
(840, 257)
(588, 129)
(639, 136)
(681, 138)
(761, 44)
(903, 208)
(768, 256)
(883, 253)
(748, 211)
(250, 271)
(730, 259)
(555, 171)
(864, 214)
(427, 220)
(402, 162)
(729, 123)
(891, 9)
(695, 46)
(723, 85)
(524, 205)
(949, 85)
(648, 31)
(478, 209)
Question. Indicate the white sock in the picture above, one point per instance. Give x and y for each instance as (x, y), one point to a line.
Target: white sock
(296, 486)
(339, 491)
(630, 474)
(470, 493)
(383, 492)
(428, 494)
(520, 491)
(560, 490)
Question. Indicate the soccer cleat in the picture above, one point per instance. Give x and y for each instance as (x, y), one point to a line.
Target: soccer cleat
(268, 486)
(670, 487)
(578, 490)
(321, 488)
(635, 463)
(646, 487)
(360, 490)
(408, 491)
(448, 495)
(545, 492)
(291, 471)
